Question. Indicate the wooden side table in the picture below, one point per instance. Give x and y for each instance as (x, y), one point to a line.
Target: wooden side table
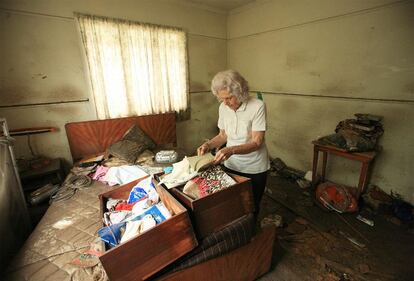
(365, 158)
(50, 173)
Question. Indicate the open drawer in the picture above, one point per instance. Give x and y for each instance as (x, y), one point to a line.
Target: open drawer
(216, 210)
(152, 250)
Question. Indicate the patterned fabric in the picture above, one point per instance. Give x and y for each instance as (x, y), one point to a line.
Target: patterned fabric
(233, 236)
(210, 181)
(216, 179)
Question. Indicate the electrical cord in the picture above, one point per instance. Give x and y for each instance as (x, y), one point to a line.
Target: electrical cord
(78, 181)
(69, 188)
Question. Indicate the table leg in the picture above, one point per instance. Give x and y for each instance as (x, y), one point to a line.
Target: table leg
(363, 178)
(324, 161)
(315, 165)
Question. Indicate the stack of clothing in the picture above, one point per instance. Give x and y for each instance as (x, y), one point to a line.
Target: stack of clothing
(126, 219)
(199, 176)
(207, 182)
(356, 135)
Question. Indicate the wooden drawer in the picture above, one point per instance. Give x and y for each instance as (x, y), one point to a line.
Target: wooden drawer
(146, 254)
(216, 210)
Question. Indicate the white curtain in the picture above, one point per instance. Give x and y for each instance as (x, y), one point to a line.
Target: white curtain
(134, 68)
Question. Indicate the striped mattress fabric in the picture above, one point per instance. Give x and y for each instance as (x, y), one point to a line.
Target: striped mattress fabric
(234, 235)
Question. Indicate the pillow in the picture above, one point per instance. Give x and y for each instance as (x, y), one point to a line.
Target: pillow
(132, 144)
(127, 150)
(136, 134)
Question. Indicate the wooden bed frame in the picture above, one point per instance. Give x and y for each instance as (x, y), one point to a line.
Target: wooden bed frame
(94, 137)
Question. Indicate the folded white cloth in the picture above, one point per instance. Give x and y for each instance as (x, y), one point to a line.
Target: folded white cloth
(181, 174)
(123, 174)
(134, 228)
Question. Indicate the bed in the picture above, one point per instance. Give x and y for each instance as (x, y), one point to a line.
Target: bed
(70, 227)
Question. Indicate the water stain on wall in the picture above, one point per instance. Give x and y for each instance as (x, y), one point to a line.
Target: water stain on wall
(66, 92)
(341, 88)
(23, 95)
(196, 86)
(66, 113)
(314, 73)
(299, 59)
(16, 95)
(409, 87)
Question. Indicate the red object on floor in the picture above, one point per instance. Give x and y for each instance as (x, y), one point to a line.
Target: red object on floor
(336, 197)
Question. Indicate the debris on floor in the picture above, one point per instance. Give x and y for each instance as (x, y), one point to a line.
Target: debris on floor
(376, 199)
(316, 244)
(392, 207)
(279, 168)
(272, 219)
(88, 258)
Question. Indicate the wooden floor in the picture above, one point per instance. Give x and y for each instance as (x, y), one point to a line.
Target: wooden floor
(312, 243)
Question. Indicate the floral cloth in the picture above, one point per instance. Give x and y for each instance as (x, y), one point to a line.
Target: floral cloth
(210, 181)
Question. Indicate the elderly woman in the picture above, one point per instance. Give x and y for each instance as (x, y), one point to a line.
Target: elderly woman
(242, 124)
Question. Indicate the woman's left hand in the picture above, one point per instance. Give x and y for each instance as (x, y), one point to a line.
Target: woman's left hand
(223, 154)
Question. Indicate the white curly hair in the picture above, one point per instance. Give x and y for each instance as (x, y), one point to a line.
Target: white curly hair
(231, 81)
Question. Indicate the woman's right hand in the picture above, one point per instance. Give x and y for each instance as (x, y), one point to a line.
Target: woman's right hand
(203, 149)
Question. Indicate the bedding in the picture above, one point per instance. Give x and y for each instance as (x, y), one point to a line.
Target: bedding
(68, 228)
(132, 144)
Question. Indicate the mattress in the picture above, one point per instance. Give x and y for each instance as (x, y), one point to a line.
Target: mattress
(68, 228)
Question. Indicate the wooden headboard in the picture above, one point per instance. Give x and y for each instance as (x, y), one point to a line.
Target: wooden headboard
(92, 137)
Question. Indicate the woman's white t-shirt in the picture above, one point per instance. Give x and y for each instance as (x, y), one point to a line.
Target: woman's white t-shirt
(238, 125)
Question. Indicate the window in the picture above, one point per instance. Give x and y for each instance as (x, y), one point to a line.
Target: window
(134, 68)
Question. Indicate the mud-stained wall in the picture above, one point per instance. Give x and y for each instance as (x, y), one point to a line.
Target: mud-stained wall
(207, 57)
(43, 62)
(320, 63)
(52, 144)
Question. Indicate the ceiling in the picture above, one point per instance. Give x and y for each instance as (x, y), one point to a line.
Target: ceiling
(223, 5)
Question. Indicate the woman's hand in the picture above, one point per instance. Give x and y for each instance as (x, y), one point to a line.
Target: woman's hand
(223, 154)
(203, 149)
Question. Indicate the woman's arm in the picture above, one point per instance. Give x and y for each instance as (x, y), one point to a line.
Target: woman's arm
(215, 142)
(254, 144)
